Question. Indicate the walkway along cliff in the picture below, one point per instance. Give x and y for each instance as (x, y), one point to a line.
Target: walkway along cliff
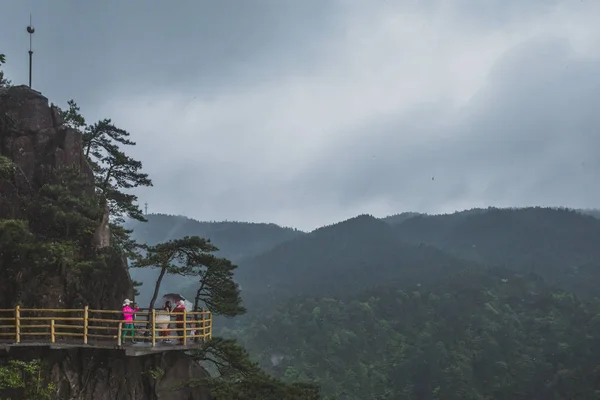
(35, 151)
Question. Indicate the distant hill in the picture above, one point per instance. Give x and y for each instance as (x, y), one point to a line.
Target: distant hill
(559, 244)
(235, 240)
(556, 243)
(591, 211)
(342, 258)
(399, 218)
(396, 219)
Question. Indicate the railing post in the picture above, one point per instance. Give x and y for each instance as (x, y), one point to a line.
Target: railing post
(85, 324)
(210, 320)
(200, 326)
(184, 326)
(52, 332)
(153, 327)
(120, 334)
(18, 324)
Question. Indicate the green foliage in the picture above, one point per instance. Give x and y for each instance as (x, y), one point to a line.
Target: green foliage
(340, 259)
(484, 335)
(191, 257)
(24, 379)
(155, 373)
(64, 214)
(236, 240)
(238, 378)
(51, 234)
(21, 248)
(559, 244)
(7, 168)
(436, 326)
(122, 240)
(114, 170)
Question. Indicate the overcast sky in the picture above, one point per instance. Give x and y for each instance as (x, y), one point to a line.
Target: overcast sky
(304, 113)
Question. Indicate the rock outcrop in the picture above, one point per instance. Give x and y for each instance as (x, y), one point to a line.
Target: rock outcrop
(33, 136)
(106, 374)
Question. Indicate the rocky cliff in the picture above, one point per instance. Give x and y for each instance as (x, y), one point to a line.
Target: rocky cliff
(37, 145)
(107, 374)
(33, 136)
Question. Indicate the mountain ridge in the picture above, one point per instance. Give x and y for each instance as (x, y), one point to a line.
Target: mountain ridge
(261, 249)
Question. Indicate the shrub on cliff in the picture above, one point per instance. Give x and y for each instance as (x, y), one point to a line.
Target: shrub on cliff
(23, 380)
(239, 378)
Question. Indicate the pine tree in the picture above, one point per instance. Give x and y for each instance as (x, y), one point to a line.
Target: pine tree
(192, 256)
(114, 171)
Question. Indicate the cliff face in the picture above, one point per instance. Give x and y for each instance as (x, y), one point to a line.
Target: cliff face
(33, 136)
(98, 374)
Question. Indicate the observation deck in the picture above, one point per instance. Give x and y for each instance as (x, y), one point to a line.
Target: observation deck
(89, 328)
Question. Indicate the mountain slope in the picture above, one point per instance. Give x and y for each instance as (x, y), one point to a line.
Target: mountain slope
(235, 241)
(549, 241)
(483, 334)
(340, 259)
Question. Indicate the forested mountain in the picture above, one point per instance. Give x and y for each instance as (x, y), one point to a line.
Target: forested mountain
(559, 244)
(482, 304)
(235, 240)
(340, 259)
(401, 217)
(480, 335)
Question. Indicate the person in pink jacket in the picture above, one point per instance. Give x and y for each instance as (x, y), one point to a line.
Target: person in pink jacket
(128, 326)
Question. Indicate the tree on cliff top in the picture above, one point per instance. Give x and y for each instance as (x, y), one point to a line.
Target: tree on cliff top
(114, 171)
(192, 256)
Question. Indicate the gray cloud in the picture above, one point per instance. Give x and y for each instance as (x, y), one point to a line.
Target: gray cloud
(98, 48)
(529, 136)
(305, 113)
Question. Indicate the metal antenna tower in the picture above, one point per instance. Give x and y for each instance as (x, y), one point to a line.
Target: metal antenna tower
(30, 30)
(146, 208)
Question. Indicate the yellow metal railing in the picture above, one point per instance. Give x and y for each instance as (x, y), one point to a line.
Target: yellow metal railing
(101, 326)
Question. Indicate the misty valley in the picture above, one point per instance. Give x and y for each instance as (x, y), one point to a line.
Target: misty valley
(299, 200)
(480, 304)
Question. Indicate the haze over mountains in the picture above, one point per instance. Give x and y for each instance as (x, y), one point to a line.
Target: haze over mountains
(364, 251)
(478, 304)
